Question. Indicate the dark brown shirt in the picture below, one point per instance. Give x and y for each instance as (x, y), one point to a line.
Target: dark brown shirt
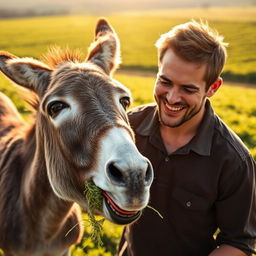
(205, 186)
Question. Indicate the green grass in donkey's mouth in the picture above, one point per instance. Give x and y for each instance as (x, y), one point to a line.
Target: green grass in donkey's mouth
(94, 200)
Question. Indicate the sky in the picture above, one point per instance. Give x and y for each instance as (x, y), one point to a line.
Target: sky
(94, 6)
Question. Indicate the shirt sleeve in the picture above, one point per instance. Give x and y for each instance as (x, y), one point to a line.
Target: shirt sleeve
(236, 207)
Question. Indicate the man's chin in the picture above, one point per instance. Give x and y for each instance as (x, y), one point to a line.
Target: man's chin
(171, 123)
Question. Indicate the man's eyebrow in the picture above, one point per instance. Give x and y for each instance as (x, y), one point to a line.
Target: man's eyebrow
(188, 86)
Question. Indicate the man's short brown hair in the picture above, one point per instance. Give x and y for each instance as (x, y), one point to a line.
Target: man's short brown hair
(196, 42)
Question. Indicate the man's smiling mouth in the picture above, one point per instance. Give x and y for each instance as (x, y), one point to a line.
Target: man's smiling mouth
(174, 108)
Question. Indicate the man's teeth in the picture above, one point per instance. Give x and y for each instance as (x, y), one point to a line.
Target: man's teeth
(173, 108)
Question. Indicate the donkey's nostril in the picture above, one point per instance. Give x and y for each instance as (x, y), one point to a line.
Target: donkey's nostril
(115, 175)
(149, 175)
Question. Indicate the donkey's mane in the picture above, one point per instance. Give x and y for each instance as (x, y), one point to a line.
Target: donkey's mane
(53, 57)
(56, 55)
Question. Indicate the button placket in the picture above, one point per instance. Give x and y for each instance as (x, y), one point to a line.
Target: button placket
(188, 204)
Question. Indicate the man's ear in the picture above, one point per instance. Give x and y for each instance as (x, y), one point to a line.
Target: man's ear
(26, 72)
(105, 50)
(214, 87)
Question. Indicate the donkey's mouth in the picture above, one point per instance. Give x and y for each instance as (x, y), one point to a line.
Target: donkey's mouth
(117, 214)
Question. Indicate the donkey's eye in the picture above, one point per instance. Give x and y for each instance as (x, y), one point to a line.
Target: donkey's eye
(125, 101)
(55, 107)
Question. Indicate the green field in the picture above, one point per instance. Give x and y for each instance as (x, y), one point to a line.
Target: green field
(138, 33)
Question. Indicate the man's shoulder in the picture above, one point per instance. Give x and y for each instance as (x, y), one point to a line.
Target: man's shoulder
(141, 112)
(230, 140)
(142, 118)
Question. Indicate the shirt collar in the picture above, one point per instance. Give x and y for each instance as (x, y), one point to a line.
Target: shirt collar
(201, 143)
(149, 124)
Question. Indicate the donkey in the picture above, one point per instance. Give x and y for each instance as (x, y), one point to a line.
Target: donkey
(80, 133)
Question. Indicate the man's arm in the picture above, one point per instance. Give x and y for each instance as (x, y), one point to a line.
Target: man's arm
(235, 210)
(227, 250)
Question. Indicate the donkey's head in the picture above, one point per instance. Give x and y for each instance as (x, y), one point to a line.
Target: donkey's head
(82, 127)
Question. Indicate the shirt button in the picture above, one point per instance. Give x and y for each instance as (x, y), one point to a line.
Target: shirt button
(188, 203)
(166, 159)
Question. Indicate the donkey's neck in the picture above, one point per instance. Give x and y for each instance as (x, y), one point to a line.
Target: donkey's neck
(48, 213)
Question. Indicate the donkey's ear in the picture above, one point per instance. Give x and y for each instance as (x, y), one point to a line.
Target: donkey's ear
(26, 72)
(105, 50)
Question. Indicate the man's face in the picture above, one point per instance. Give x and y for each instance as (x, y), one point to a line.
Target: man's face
(179, 90)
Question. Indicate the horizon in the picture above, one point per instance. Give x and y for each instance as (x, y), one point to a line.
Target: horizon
(109, 6)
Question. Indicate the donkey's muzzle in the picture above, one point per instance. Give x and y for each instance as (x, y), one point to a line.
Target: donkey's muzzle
(130, 191)
(128, 178)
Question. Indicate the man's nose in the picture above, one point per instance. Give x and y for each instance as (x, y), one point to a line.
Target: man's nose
(173, 96)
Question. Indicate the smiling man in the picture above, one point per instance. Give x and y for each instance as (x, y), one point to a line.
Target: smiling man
(204, 182)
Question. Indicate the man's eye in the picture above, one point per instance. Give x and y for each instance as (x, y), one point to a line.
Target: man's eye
(55, 107)
(125, 102)
(163, 82)
(189, 91)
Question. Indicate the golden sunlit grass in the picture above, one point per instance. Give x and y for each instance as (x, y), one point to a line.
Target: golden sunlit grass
(138, 34)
